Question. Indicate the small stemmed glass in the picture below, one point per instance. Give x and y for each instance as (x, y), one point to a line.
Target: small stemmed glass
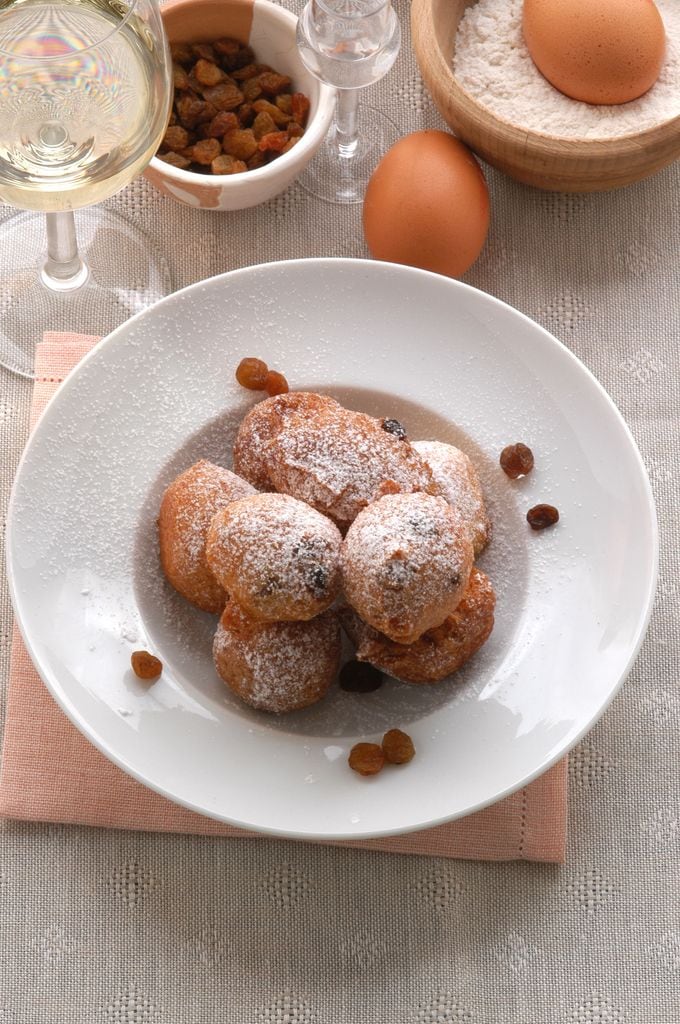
(349, 44)
(85, 92)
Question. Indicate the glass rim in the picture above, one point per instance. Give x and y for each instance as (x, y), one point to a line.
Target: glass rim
(70, 54)
(370, 7)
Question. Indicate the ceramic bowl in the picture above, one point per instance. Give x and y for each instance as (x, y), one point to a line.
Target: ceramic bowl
(532, 157)
(270, 30)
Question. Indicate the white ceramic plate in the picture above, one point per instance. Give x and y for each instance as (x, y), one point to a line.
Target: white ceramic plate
(448, 361)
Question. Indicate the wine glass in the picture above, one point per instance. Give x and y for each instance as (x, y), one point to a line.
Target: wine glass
(349, 44)
(85, 92)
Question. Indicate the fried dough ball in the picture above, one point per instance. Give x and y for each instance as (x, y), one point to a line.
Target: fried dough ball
(458, 482)
(339, 461)
(438, 652)
(405, 564)
(187, 507)
(277, 557)
(277, 666)
(262, 423)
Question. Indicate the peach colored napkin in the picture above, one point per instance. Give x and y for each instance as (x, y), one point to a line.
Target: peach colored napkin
(50, 772)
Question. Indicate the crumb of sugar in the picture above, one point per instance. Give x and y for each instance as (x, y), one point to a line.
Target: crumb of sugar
(492, 63)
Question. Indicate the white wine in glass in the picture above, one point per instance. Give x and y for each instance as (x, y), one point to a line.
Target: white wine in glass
(85, 91)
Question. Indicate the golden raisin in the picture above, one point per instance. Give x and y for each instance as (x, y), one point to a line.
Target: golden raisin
(273, 141)
(252, 374)
(398, 747)
(275, 384)
(516, 460)
(541, 516)
(366, 758)
(205, 151)
(145, 665)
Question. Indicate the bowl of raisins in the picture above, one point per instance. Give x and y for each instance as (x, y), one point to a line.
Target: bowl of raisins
(247, 116)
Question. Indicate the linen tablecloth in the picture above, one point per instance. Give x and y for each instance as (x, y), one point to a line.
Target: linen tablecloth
(132, 928)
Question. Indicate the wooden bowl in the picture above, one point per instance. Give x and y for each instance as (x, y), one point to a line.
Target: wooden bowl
(535, 158)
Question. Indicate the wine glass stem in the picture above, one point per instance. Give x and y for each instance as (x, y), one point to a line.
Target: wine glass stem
(63, 270)
(346, 123)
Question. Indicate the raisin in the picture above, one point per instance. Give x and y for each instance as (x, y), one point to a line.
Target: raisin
(180, 78)
(205, 151)
(275, 383)
(398, 747)
(318, 579)
(516, 460)
(203, 51)
(285, 103)
(240, 143)
(181, 52)
(278, 117)
(541, 516)
(175, 160)
(263, 125)
(145, 665)
(226, 96)
(394, 427)
(300, 107)
(252, 374)
(208, 74)
(271, 83)
(252, 89)
(366, 758)
(274, 141)
(360, 677)
(225, 164)
(222, 123)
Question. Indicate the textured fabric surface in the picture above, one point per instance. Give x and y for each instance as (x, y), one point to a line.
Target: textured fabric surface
(52, 773)
(121, 927)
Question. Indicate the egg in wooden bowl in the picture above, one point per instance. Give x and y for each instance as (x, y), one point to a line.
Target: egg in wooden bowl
(604, 147)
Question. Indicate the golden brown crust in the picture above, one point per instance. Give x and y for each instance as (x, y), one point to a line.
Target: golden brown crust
(457, 481)
(277, 557)
(261, 425)
(277, 666)
(439, 652)
(405, 564)
(332, 458)
(187, 507)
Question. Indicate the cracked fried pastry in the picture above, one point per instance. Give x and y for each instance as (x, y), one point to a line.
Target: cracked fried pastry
(437, 653)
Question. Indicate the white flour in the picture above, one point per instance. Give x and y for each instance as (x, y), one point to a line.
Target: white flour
(492, 63)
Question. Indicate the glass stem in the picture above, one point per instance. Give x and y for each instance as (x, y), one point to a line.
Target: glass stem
(63, 269)
(346, 122)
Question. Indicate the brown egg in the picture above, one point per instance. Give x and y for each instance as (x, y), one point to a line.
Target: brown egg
(427, 204)
(599, 51)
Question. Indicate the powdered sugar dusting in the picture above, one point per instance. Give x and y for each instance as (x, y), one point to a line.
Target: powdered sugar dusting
(203, 489)
(277, 666)
(277, 556)
(339, 462)
(406, 562)
(492, 63)
(457, 479)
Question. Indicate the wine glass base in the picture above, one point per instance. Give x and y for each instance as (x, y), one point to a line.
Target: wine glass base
(126, 275)
(336, 179)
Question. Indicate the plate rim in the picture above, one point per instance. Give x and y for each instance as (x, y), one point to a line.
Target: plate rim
(56, 690)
